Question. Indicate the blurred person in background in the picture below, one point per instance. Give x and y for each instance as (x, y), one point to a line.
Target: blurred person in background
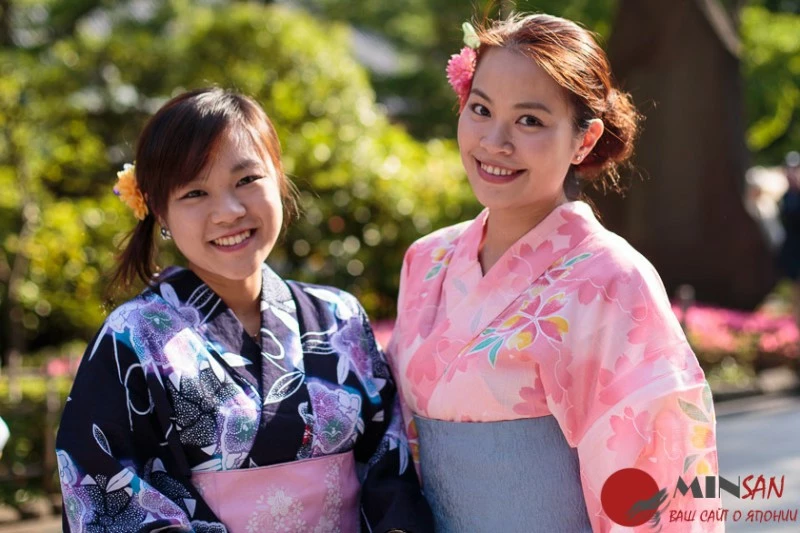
(224, 398)
(789, 257)
(764, 187)
(4, 435)
(536, 352)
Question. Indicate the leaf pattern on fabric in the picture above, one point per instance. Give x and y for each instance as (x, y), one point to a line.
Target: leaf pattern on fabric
(120, 481)
(688, 462)
(284, 387)
(692, 411)
(707, 401)
(101, 440)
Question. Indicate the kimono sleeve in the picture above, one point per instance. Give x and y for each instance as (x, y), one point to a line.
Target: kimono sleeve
(390, 497)
(636, 397)
(108, 450)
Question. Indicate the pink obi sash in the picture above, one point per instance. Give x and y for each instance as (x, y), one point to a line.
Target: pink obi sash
(310, 495)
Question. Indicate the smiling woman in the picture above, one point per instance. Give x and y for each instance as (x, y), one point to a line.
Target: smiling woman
(537, 352)
(224, 398)
(176, 156)
(226, 221)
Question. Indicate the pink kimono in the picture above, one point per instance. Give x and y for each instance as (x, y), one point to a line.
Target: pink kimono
(571, 324)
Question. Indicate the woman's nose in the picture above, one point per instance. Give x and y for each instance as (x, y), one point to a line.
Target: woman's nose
(497, 140)
(228, 208)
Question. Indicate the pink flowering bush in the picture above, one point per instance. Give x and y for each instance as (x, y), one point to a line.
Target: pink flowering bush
(760, 338)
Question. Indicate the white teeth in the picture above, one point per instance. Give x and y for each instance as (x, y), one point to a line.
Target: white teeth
(497, 171)
(232, 240)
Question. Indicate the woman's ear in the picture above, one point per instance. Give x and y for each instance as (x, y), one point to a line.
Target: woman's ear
(589, 138)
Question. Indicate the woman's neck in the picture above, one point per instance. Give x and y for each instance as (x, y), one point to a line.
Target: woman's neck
(504, 227)
(243, 297)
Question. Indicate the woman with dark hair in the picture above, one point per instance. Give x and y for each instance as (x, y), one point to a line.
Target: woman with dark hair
(536, 352)
(224, 398)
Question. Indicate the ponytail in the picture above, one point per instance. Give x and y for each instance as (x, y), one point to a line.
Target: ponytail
(137, 259)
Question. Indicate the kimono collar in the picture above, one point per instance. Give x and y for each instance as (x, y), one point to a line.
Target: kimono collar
(203, 309)
(470, 241)
(207, 313)
(181, 287)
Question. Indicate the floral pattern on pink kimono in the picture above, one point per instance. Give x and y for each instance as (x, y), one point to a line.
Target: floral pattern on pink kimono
(570, 322)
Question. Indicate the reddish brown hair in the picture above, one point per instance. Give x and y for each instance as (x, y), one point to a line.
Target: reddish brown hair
(572, 57)
(175, 145)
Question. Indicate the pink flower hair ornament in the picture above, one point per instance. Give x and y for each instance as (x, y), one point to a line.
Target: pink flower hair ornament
(461, 66)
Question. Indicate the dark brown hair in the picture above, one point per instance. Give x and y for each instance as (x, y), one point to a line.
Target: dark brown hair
(572, 57)
(174, 147)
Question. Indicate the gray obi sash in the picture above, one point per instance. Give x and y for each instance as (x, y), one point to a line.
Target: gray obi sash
(515, 476)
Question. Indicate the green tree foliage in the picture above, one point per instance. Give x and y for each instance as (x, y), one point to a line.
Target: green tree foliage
(71, 113)
(425, 34)
(78, 79)
(771, 64)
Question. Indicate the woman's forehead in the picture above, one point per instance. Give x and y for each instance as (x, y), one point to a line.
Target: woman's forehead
(236, 149)
(513, 78)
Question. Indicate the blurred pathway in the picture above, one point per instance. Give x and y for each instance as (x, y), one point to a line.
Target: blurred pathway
(760, 436)
(45, 525)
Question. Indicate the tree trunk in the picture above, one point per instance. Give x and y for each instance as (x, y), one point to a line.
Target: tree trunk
(30, 216)
(5, 24)
(680, 62)
(16, 331)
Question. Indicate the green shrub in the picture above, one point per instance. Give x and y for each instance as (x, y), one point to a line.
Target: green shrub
(368, 188)
(30, 427)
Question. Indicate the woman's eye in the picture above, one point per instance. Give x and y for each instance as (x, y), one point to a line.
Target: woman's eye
(529, 120)
(248, 179)
(193, 194)
(480, 109)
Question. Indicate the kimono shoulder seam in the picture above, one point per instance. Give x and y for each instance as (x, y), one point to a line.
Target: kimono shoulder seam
(622, 252)
(431, 240)
(133, 304)
(441, 234)
(341, 293)
(629, 262)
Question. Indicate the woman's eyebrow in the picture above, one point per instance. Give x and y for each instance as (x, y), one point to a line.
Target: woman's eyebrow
(522, 105)
(245, 164)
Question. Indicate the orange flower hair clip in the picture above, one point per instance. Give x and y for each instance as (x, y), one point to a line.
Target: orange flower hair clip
(128, 191)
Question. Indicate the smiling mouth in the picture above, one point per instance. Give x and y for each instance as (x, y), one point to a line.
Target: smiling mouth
(233, 240)
(497, 173)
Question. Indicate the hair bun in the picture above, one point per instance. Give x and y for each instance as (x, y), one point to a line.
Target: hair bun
(615, 146)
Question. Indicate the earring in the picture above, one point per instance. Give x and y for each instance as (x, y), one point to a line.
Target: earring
(165, 234)
(578, 158)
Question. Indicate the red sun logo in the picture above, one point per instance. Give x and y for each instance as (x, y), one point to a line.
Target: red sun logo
(630, 497)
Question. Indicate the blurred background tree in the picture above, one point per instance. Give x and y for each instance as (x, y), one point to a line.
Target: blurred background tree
(771, 69)
(681, 62)
(79, 78)
(423, 34)
(72, 107)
